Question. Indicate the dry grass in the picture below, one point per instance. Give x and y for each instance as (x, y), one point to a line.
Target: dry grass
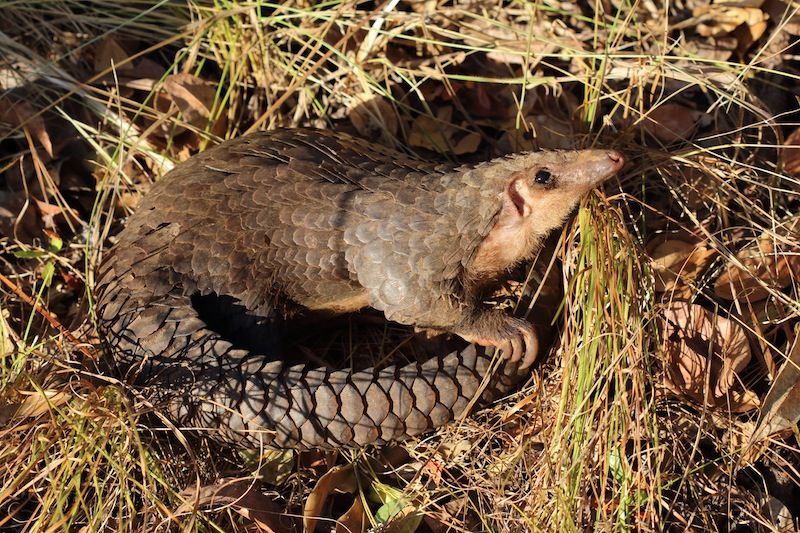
(594, 439)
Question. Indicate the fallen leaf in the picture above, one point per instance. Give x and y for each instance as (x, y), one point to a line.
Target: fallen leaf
(317, 460)
(434, 469)
(424, 6)
(543, 132)
(790, 154)
(459, 509)
(780, 13)
(373, 117)
(38, 402)
(748, 33)
(8, 338)
(107, 53)
(483, 102)
(430, 133)
(144, 74)
(467, 144)
(671, 122)
(524, 51)
(765, 270)
(18, 217)
(720, 19)
(20, 114)
(129, 200)
(146, 68)
(718, 48)
(440, 135)
(432, 91)
(705, 352)
(243, 496)
(512, 44)
(355, 520)
(676, 263)
(72, 281)
(342, 479)
(11, 76)
(781, 408)
(194, 98)
(50, 213)
(742, 400)
(777, 514)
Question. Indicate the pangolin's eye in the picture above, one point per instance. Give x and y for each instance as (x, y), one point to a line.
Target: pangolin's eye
(543, 176)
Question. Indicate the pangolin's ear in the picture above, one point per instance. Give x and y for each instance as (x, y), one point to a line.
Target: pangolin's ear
(516, 202)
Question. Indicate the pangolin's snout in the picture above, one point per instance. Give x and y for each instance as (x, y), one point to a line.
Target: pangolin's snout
(593, 167)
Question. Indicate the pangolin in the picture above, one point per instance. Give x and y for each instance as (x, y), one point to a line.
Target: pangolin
(326, 222)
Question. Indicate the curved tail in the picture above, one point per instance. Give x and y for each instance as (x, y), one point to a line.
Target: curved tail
(209, 384)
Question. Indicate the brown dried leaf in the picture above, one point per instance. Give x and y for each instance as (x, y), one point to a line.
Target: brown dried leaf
(671, 122)
(243, 496)
(467, 144)
(747, 34)
(355, 520)
(553, 133)
(38, 402)
(342, 479)
(715, 48)
(441, 135)
(20, 114)
(511, 43)
(483, 103)
(546, 132)
(766, 270)
(705, 353)
(193, 96)
(677, 263)
(781, 409)
(129, 201)
(778, 515)
(460, 510)
(790, 154)
(421, 6)
(108, 53)
(491, 103)
(10, 76)
(721, 19)
(144, 74)
(787, 18)
(18, 217)
(146, 68)
(429, 133)
(742, 400)
(50, 213)
(8, 338)
(524, 51)
(373, 117)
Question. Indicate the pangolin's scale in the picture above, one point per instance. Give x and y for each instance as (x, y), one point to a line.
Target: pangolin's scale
(311, 217)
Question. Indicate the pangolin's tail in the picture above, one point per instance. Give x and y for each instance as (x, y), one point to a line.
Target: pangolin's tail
(205, 382)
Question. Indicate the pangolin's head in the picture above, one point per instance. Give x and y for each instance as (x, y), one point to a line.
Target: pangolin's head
(538, 190)
(544, 187)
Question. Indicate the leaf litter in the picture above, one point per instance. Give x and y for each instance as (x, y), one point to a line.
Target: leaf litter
(703, 101)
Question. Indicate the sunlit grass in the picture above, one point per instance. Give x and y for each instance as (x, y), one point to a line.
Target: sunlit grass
(77, 454)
